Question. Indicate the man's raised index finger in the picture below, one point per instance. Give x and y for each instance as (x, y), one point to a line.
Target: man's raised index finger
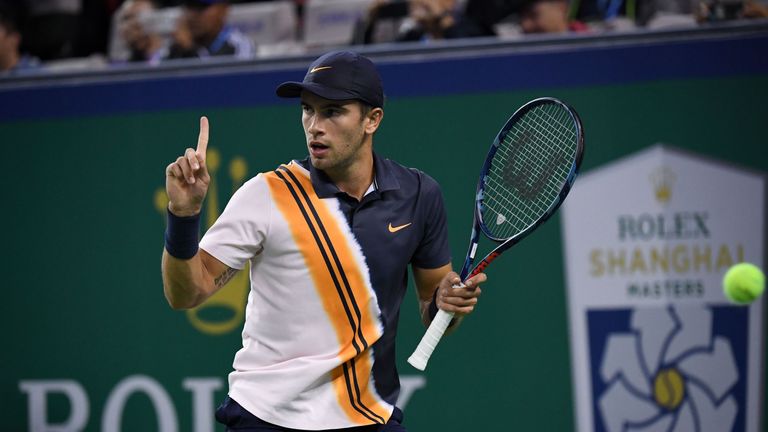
(202, 139)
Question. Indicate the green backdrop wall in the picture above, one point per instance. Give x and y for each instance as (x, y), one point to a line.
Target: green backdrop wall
(83, 176)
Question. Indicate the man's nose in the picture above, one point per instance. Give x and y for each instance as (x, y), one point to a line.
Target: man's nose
(314, 126)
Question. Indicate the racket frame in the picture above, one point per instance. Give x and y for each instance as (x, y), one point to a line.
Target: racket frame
(478, 223)
(442, 320)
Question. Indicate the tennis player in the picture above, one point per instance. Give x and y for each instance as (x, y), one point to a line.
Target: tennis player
(329, 239)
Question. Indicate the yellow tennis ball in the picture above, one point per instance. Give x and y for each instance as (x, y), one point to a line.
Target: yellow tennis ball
(743, 283)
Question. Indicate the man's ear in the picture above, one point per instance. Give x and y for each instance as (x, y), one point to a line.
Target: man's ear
(373, 120)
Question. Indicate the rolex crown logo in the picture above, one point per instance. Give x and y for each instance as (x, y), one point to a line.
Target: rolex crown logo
(224, 311)
(662, 180)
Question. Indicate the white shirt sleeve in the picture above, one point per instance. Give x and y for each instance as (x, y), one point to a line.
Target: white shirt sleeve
(240, 232)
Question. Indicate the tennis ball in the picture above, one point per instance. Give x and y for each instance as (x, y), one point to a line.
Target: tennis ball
(743, 283)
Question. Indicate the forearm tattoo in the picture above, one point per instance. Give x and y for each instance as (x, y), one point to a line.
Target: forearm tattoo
(225, 277)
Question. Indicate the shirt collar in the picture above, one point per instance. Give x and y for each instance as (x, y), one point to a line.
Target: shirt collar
(325, 188)
(385, 178)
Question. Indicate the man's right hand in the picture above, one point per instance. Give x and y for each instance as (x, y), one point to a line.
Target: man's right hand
(187, 179)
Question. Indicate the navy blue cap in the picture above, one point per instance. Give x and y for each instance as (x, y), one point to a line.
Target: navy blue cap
(339, 75)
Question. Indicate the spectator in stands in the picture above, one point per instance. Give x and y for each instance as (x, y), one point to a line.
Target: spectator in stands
(144, 44)
(437, 19)
(754, 9)
(11, 59)
(203, 32)
(416, 20)
(548, 16)
(710, 10)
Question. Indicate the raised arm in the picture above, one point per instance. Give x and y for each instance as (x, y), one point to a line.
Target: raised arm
(190, 275)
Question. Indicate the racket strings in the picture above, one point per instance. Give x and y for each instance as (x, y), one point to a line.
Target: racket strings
(546, 151)
(531, 165)
(550, 148)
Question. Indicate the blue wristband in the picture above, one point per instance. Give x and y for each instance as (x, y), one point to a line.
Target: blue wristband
(181, 235)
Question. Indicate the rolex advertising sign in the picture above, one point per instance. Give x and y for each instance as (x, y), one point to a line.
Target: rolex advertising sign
(655, 344)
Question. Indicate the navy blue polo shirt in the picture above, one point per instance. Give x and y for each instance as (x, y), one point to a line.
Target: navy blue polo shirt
(401, 222)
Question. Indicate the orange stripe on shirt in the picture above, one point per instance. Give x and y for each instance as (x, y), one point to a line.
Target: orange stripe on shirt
(344, 251)
(333, 290)
(362, 363)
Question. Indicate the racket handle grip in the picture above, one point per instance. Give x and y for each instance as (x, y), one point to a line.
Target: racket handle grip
(429, 341)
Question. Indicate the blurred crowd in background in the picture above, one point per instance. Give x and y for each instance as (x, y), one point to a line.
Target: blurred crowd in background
(41, 35)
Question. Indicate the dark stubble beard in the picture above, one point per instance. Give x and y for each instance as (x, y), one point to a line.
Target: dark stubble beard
(342, 164)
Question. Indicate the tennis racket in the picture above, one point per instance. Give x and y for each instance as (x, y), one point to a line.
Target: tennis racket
(527, 174)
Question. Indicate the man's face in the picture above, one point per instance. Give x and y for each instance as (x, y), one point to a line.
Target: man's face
(545, 16)
(205, 21)
(335, 131)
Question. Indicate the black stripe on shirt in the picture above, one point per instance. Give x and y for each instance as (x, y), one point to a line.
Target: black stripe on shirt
(335, 256)
(350, 373)
(327, 260)
(354, 393)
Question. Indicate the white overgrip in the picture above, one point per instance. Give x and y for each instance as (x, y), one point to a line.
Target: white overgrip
(431, 338)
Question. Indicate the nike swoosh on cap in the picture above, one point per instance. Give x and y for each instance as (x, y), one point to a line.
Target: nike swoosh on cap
(319, 68)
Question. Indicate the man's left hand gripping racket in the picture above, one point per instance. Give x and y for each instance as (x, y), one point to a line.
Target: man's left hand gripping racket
(527, 174)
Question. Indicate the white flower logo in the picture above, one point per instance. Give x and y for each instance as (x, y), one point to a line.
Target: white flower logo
(668, 374)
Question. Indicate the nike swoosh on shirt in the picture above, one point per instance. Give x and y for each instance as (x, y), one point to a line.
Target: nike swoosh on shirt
(397, 228)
